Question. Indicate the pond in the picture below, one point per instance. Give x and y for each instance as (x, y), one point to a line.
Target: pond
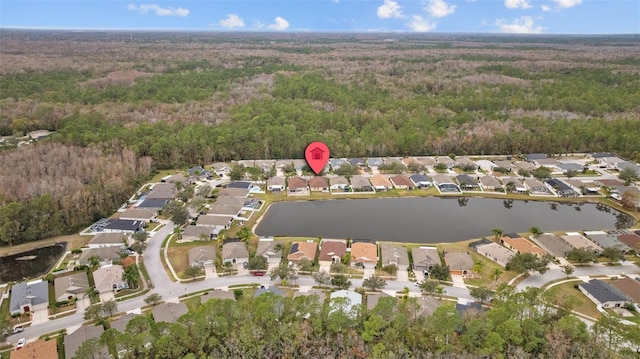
(30, 264)
(432, 219)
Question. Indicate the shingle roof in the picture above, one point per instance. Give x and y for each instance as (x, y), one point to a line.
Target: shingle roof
(332, 249)
(300, 250)
(364, 252)
(401, 180)
(75, 283)
(32, 293)
(339, 180)
(107, 238)
(381, 181)
(39, 349)
(360, 182)
(267, 248)
(297, 183)
(202, 254)
(602, 291)
(393, 254)
(217, 294)
(554, 244)
(319, 182)
(629, 287)
(105, 277)
(120, 324)
(169, 312)
(522, 245)
(425, 256)
(73, 341)
(458, 260)
(234, 250)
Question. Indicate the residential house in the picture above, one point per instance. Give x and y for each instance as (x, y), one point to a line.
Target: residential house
(297, 186)
(374, 162)
(629, 287)
(391, 160)
(356, 162)
(321, 296)
(221, 211)
(465, 162)
(427, 305)
(139, 214)
(276, 184)
(374, 298)
(29, 297)
(155, 204)
(460, 263)
(197, 233)
(490, 183)
(213, 221)
(199, 173)
(394, 254)
(231, 201)
(577, 240)
(120, 324)
(331, 251)
(303, 250)
(509, 165)
(299, 164)
(522, 165)
(319, 184)
(588, 188)
(603, 294)
(445, 184)
(553, 244)
(467, 183)
(265, 165)
(234, 251)
(381, 183)
(40, 349)
(401, 182)
(536, 187)
(496, 253)
(221, 169)
(609, 162)
(109, 279)
(446, 161)
(169, 312)
(347, 301)
(630, 239)
(598, 155)
(565, 167)
(70, 286)
(550, 163)
(407, 161)
(166, 191)
(521, 245)
(427, 161)
(424, 258)
(607, 240)
(106, 255)
(364, 253)
(273, 290)
(535, 157)
(217, 294)
(336, 163)
(487, 165)
(123, 226)
(267, 248)
(74, 340)
(361, 184)
(202, 256)
(235, 192)
(420, 181)
(106, 240)
(339, 183)
(561, 188)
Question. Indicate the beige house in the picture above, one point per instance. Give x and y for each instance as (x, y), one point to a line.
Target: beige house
(71, 286)
(109, 279)
(301, 250)
(365, 254)
(393, 254)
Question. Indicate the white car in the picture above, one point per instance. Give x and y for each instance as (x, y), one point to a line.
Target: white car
(21, 343)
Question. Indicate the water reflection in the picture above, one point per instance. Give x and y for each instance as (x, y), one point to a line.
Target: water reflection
(507, 203)
(30, 264)
(463, 201)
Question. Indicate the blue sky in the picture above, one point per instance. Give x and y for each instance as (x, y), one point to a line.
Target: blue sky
(476, 16)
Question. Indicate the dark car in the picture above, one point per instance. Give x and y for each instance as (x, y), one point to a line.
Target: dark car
(245, 265)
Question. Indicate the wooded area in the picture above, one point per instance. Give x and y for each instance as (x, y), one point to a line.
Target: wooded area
(193, 98)
(518, 325)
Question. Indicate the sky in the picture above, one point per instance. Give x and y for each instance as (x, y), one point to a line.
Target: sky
(441, 16)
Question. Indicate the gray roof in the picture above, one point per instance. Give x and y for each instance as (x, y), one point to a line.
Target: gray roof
(536, 156)
(233, 250)
(108, 238)
(120, 324)
(276, 181)
(105, 277)
(374, 161)
(153, 203)
(606, 240)
(234, 192)
(393, 254)
(570, 166)
(104, 253)
(490, 181)
(230, 201)
(73, 341)
(554, 244)
(425, 256)
(194, 232)
(496, 252)
(374, 298)
(360, 182)
(28, 293)
(202, 254)
(225, 210)
(266, 248)
(213, 221)
(169, 312)
(417, 178)
(466, 181)
(603, 292)
(428, 305)
(336, 163)
(458, 260)
(73, 284)
(217, 294)
(338, 180)
(138, 213)
(162, 191)
(441, 178)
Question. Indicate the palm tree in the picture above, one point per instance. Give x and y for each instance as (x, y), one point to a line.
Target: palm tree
(94, 261)
(497, 233)
(535, 231)
(478, 266)
(131, 275)
(495, 274)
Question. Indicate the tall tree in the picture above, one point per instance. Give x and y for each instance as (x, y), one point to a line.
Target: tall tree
(374, 283)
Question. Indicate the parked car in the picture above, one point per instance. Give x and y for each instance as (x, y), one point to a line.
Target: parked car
(21, 343)
(18, 329)
(258, 274)
(245, 265)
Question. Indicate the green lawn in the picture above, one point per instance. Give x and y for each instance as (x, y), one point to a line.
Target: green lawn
(585, 306)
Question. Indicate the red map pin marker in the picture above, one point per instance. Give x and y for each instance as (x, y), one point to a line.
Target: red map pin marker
(317, 156)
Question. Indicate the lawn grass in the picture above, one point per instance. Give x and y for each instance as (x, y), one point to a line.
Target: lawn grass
(178, 254)
(192, 303)
(74, 241)
(585, 306)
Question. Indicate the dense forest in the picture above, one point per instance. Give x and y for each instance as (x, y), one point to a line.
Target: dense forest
(192, 98)
(518, 325)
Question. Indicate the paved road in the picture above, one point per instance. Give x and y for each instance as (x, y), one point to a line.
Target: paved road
(555, 273)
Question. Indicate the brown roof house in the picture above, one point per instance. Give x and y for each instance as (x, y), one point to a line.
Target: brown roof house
(319, 184)
(71, 286)
(424, 258)
(521, 245)
(364, 254)
(401, 182)
(393, 254)
(460, 263)
(169, 312)
(74, 340)
(629, 287)
(267, 248)
(39, 349)
(381, 183)
(235, 252)
(331, 251)
(630, 239)
(300, 250)
(297, 186)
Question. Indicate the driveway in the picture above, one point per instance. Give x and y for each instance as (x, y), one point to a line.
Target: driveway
(368, 272)
(107, 296)
(402, 275)
(458, 281)
(40, 316)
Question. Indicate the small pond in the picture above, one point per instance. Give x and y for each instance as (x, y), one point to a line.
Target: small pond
(30, 264)
(432, 219)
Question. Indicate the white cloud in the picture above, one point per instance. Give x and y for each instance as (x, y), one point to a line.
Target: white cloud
(522, 25)
(568, 3)
(439, 8)
(545, 8)
(279, 24)
(419, 24)
(389, 9)
(160, 11)
(517, 4)
(232, 21)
